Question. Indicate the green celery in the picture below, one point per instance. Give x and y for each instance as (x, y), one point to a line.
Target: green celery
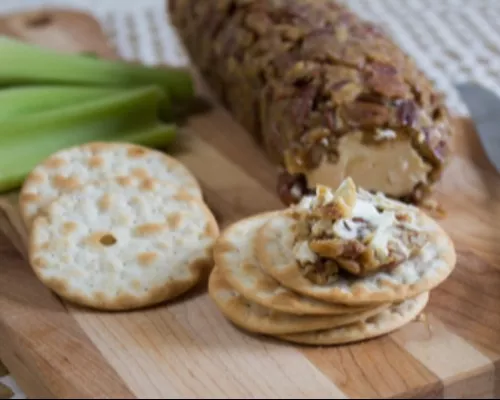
(24, 100)
(159, 136)
(23, 63)
(26, 142)
(137, 104)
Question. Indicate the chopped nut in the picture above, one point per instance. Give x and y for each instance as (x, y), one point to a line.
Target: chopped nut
(353, 249)
(291, 188)
(333, 248)
(322, 272)
(346, 197)
(385, 79)
(330, 248)
(402, 217)
(435, 209)
(329, 211)
(350, 266)
(362, 114)
(422, 317)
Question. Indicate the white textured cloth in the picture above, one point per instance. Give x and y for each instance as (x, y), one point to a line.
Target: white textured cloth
(9, 382)
(451, 40)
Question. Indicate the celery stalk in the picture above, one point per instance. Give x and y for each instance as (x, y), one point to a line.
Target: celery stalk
(26, 142)
(133, 106)
(23, 63)
(24, 100)
(159, 136)
(12, 176)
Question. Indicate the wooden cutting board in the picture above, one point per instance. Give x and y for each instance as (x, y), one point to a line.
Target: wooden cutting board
(187, 349)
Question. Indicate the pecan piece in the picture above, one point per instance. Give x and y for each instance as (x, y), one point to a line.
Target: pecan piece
(333, 248)
(302, 105)
(327, 212)
(322, 272)
(407, 113)
(350, 266)
(385, 80)
(291, 188)
(330, 248)
(362, 114)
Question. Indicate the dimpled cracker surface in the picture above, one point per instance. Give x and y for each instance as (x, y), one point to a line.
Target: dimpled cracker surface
(116, 247)
(71, 168)
(255, 318)
(418, 274)
(389, 320)
(234, 254)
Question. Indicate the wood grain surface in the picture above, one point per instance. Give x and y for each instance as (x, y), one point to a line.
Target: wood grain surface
(187, 348)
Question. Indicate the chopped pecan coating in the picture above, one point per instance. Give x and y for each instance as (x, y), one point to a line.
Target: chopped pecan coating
(321, 272)
(335, 248)
(301, 74)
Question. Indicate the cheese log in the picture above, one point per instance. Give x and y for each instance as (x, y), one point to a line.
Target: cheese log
(327, 94)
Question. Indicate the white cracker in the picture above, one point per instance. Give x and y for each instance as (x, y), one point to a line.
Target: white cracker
(389, 320)
(419, 274)
(76, 166)
(163, 244)
(235, 256)
(255, 318)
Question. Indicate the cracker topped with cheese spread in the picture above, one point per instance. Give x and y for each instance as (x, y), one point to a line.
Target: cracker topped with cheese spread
(353, 232)
(349, 246)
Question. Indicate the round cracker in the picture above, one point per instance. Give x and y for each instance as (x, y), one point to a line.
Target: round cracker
(419, 274)
(74, 167)
(116, 246)
(234, 254)
(255, 318)
(387, 321)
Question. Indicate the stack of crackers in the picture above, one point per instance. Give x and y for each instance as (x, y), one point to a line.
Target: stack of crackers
(116, 226)
(340, 267)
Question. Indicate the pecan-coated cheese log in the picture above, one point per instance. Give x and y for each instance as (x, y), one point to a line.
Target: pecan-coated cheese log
(328, 95)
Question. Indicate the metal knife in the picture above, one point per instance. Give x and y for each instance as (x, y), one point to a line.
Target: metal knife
(484, 109)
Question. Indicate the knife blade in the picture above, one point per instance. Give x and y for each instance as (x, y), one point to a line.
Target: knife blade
(484, 109)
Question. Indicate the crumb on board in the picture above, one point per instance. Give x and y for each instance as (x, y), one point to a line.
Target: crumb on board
(434, 209)
(422, 317)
